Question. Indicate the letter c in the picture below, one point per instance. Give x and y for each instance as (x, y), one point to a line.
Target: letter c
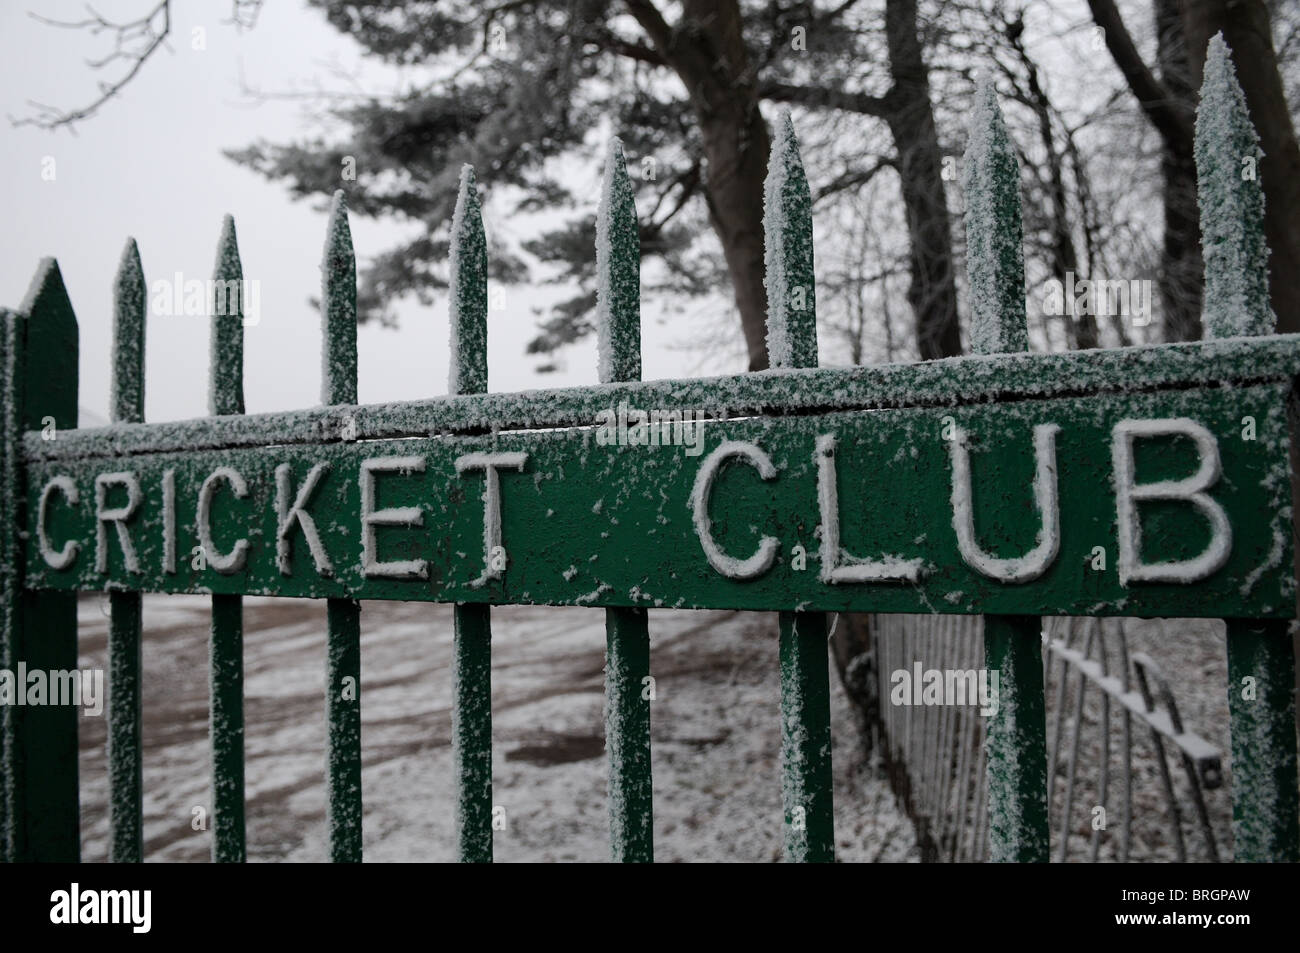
(731, 567)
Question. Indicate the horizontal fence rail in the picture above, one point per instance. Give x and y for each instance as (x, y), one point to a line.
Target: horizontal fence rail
(980, 486)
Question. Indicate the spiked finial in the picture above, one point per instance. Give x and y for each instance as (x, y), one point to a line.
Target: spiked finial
(128, 337)
(1231, 199)
(469, 373)
(995, 258)
(788, 254)
(226, 353)
(338, 308)
(618, 269)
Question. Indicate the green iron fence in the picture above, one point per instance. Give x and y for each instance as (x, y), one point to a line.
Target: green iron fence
(492, 499)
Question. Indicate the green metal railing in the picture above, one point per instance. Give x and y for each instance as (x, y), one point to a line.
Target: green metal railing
(38, 386)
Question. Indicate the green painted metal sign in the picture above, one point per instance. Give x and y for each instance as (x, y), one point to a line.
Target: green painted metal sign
(1174, 501)
(1151, 481)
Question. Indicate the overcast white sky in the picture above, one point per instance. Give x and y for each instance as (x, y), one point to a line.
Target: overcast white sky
(149, 165)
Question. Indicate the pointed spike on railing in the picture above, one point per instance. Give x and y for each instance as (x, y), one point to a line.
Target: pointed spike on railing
(468, 365)
(53, 343)
(343, 616)
(338, 308)
(226, 374)
(995, 259)
(788, 254)
(129, 303)
(618, 269)
(1231, 199)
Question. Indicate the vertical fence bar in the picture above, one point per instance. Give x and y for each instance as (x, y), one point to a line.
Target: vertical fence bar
(627, 632)
(1261, 654)
(343, 616)
(807, 781)
(1016, 734)
(471, 711)
(11, 431)
(125, 609)
(226, 648)
(40, 628)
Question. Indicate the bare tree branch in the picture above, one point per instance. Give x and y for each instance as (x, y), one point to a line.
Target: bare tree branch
(1151, 94)
(134, 40)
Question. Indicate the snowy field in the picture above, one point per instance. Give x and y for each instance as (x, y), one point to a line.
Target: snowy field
(715, 724)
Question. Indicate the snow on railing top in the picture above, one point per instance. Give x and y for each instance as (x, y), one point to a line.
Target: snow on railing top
(1231, 199)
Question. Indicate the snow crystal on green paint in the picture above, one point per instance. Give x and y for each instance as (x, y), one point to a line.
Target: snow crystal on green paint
(338, 308)
(994, 256)
(1231, 198)
(618, 270)
(788, 255)
(468, 365)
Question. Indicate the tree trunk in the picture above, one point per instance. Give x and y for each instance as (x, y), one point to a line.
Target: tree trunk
(1182, 269)
(1245, 26)
(933, 291)
(707, 51)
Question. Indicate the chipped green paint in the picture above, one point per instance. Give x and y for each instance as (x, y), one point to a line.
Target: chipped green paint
(1015, 736)
(627, 632)
(342, 616)
(125, 770)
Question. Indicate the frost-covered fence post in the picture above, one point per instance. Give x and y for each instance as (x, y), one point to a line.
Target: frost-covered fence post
(627, 632)
(124, 761)
(39, 628)
(1261, 655)
(226, 648)
(471, 709)
(11, 432)
(1016, 734)
(792, 342)
(343, 616)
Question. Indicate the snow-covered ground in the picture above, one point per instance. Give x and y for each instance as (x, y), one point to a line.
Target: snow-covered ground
(715, 725)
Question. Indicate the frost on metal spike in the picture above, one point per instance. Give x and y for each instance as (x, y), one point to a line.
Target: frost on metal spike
(995, 259)
(618, 269)
(52, 346)
(128, 337)
(226, 354)
(788, 255)
(1231, 203)
(338, 308)
(469, 373)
